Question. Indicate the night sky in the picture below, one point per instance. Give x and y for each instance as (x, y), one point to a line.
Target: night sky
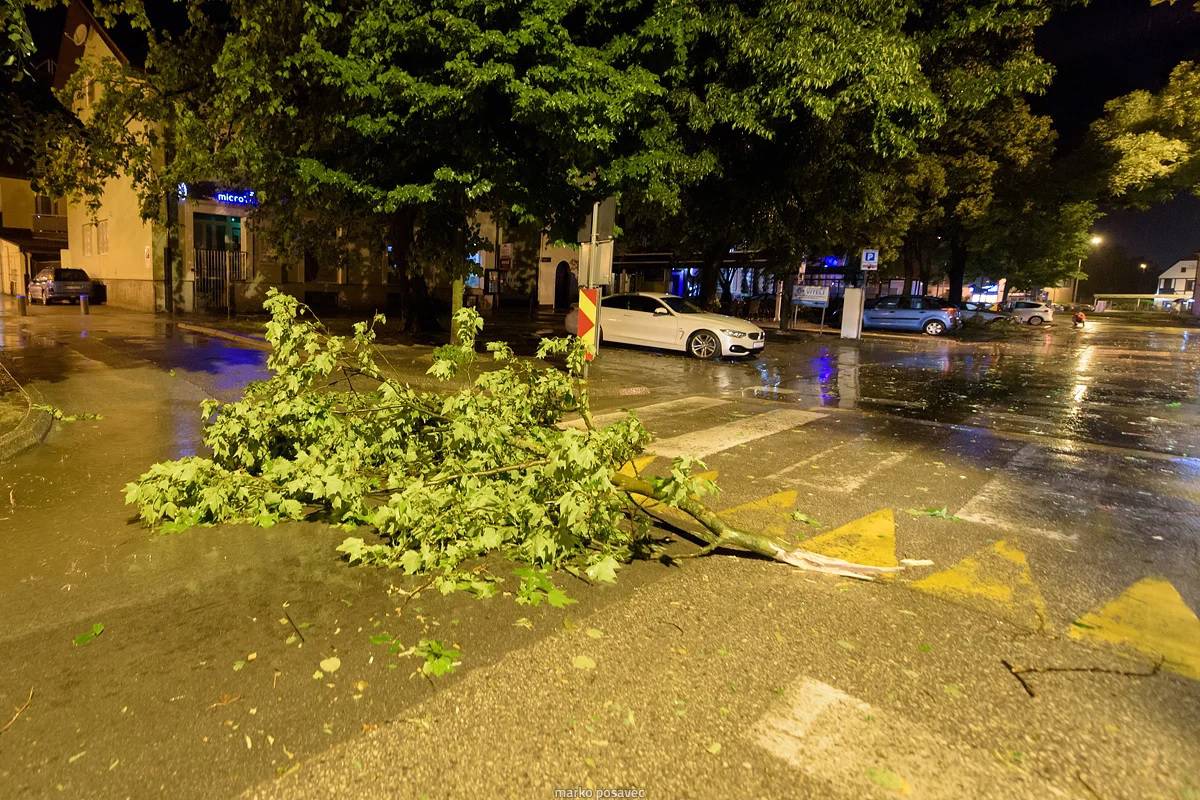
(1110, 48)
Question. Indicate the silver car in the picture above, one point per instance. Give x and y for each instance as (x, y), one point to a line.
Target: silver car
(59, 283)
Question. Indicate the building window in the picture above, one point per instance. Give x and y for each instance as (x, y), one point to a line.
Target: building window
(50, 206)
(1189, 286)
(1166, 285)
(88, 240)
(102, 237)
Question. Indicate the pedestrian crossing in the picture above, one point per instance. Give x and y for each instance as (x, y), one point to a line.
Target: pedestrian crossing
(1022, 519)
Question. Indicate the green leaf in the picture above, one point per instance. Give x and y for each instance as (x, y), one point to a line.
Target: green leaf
(89, 635)
(886, 779)
(604, 570)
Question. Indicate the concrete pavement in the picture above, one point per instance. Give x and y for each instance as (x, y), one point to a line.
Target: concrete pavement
(1050, 650)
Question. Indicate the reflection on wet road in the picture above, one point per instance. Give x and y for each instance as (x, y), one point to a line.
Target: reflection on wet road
(1110, 384)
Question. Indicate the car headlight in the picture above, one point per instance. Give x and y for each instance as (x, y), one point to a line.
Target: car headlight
(734, 334)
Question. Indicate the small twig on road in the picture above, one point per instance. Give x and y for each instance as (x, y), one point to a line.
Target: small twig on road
(1017, 674)
(414, 593)
(294, 626)
(1020, 673)
(225, 700)
(20, 710)
(1086, 785)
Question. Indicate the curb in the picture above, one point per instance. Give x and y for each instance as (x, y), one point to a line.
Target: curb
(30, 431)
(240, 338)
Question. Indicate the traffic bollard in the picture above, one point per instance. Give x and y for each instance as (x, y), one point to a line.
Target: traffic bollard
(22, 306)
(84, 307)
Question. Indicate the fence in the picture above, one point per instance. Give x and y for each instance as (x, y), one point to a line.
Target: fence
(216, 271)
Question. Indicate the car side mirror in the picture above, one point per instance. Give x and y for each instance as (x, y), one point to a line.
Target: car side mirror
(661, 312)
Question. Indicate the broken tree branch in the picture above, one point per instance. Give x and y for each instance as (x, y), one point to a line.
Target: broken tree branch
(717, 532)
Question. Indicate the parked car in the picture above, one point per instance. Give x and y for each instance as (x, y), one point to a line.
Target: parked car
(931, 315)
(673, 323)
(1031, 312)
(59, 283)
(984, 312)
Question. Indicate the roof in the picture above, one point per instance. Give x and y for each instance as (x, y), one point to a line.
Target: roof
(1180, 269)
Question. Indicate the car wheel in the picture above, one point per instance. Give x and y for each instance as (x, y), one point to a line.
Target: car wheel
(935, 327)
(1035, 320)
(704, 344)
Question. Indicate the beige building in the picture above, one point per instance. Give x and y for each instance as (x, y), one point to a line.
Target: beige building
(33, 228)
(222, 260)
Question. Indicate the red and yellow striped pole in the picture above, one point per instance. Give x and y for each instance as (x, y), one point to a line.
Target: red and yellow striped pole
(589, 302)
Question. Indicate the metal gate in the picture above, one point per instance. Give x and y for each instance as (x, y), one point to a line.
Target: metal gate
(216, 272)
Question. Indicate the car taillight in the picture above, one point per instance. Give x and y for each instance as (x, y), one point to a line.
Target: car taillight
(951, 310)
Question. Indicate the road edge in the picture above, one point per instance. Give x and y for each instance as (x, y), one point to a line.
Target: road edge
(30, 431)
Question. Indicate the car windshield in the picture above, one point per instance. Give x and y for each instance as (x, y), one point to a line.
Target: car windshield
(72, 275)
(680, 306)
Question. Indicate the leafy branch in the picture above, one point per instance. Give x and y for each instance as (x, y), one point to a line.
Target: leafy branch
(441, 478)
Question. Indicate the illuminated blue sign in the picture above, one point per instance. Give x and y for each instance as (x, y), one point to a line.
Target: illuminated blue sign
(235, 197)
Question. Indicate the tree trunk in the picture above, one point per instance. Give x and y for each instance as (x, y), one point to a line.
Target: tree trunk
(957, 268)
(785, 313)
(709, 274)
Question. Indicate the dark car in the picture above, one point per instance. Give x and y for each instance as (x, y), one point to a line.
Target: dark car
(59, 283)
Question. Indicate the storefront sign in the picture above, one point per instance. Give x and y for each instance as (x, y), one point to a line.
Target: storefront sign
(236, 197)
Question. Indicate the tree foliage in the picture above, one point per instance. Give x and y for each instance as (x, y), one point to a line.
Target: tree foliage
(1152, 140)
(441, 478)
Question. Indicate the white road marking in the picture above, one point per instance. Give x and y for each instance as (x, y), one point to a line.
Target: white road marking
(840, 740)
(845, 481)
(683, 405)
(998, 493)
(804, 462)
(702, 443)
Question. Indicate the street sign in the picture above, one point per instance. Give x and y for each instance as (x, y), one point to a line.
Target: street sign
(813, 296)
(602, 268)
(605, 221)
(589, 306)
(870, 260)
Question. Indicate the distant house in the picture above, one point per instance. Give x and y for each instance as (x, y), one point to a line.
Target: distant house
(33, 230)
(1177, 285)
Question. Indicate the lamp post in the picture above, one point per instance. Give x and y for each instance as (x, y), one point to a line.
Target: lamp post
(1096, 241)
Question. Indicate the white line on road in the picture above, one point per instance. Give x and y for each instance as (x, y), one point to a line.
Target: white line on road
(682, 405)
(700, 444)
(804, 462)
(838, 739)
(999, 493)
(844, 481)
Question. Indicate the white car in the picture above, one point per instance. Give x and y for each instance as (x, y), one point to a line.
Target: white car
(673, 323)
(1031, 312)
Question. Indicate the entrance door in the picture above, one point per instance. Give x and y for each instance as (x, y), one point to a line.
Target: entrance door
(217, 243)
(216, 232)
(565, 290)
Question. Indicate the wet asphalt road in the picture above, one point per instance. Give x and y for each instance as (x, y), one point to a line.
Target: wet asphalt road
(1048, 651)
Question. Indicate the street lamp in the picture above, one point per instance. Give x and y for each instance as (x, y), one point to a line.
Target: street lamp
(1142, 266)
(1096, 241)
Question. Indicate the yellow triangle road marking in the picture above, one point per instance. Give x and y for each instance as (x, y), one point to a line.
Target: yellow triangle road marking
(778, 503)
(636, 466)
(768, 515)
(1151, 617)
(867, 540)
(995, 580)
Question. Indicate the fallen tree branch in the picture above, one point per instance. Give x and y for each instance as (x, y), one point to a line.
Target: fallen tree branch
(718, 533)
